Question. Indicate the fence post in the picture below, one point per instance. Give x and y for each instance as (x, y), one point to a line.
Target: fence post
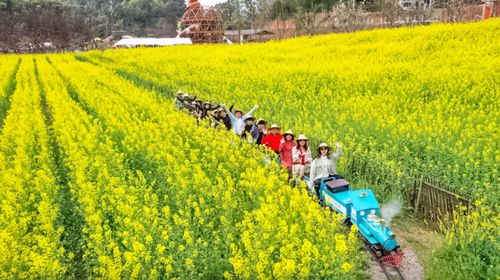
(417, 203)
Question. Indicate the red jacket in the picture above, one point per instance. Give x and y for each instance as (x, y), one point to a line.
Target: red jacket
(272, 141)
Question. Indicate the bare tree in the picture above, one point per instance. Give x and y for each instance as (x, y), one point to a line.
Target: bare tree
(41, 28)
(346, 16)
(390, 11)
(454, 10)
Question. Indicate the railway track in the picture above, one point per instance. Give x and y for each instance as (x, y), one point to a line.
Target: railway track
(391, 272)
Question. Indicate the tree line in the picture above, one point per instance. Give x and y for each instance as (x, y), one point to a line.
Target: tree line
(339, 15)
(45, 25)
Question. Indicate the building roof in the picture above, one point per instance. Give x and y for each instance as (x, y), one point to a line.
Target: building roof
(247, 32)
(133, 42)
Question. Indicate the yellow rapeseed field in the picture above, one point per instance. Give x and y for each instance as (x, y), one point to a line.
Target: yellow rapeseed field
(102, 178)
(405, 103)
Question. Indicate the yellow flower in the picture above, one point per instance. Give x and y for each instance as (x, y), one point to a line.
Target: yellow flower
(346, 267)
(160, 248)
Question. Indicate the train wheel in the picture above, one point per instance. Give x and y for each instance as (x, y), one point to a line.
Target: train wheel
(323, 203)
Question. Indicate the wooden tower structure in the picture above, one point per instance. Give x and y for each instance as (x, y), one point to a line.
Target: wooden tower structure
(202, 25)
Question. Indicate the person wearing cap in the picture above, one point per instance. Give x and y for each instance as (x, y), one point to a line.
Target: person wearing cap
(200, 111)
(196, 105)
(221, 115)
(250, 132)
(186, 98)
(261, 129)
(238, 119)
(207, 107)
(324, 165)
(273, 139)
(187, 102)
(302, 157)
(285, 150)
(178, 99)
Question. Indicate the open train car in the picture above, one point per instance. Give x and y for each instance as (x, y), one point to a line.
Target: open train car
(361, 208)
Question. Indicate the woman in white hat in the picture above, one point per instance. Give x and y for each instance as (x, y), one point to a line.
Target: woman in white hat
(285, 151)
(302, 157)
(324, 165)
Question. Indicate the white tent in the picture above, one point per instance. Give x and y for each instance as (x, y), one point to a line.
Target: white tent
(152, 42)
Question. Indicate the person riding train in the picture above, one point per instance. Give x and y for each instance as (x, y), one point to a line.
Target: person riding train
(261, 129)
(324, 166)
(205, 108)
(238, 119)
(302, 157)
(221, 115)
(273, 139)
(179, 99)
(250, 131)
(285, 149)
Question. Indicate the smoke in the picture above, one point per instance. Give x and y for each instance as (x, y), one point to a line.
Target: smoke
(390, 210)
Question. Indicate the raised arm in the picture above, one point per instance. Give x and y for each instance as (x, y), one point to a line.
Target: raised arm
(231, 116)
(249, 114)
(337, 155)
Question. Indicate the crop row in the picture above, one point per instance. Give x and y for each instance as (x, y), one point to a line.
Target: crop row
(132, 188)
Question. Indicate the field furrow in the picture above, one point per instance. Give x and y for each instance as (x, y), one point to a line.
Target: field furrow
(8, 72)
(30, 244)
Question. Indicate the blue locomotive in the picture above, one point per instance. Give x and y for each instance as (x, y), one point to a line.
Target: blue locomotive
(361, 208)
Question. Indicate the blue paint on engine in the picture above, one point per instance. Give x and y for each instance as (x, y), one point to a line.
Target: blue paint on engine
(361, 207)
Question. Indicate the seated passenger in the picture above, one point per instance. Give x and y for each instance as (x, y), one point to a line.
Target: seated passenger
(273, 139)
(324, 166)
(178, 99)
(285, 149)
(237, 119)
(261, 129)
(250, 132)
(302, 157)
(187, 102)
(221, 115)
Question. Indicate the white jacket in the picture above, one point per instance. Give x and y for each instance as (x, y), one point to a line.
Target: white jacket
(238, 124)
(323, 167)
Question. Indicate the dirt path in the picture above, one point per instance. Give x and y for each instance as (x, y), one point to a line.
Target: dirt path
(417, 243)
(411, 267)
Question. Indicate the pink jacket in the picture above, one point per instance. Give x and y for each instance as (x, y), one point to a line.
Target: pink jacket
(286, 153)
